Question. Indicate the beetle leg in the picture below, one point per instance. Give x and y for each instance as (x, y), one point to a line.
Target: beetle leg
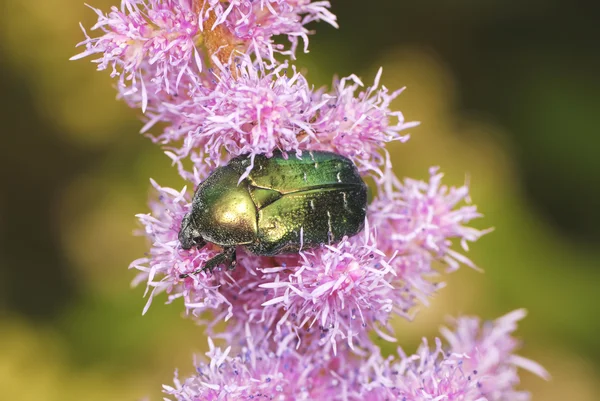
(233, 259)
(215, 261)
(227, 257)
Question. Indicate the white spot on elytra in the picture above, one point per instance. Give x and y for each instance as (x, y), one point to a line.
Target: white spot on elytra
(330, 232)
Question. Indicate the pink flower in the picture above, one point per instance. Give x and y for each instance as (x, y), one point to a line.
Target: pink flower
(479, 364)
(257, 111)
(254, 109)
(420, 220)
(340, 292)
(254, 23)
(247, 102)
(255, 373)
(154, 46)
(150, 46)
(359, 125)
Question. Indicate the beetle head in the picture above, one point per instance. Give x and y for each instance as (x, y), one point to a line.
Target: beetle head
(189, 235)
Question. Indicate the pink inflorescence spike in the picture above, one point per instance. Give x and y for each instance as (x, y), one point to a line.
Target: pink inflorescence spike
(214, 82)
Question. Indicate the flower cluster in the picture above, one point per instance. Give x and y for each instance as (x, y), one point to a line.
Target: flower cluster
(422, 218)
(210, 72)
(149, 46)
(477, 363)
(156, 47)
(207, 70)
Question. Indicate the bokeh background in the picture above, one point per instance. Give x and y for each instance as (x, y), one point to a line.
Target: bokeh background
(508, 93)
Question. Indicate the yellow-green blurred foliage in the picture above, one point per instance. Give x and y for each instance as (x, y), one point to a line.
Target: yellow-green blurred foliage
(75, 167)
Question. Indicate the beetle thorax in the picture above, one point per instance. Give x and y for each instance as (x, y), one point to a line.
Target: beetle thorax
(224, 211)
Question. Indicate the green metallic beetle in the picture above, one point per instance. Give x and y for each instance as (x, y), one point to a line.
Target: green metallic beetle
(285, 204)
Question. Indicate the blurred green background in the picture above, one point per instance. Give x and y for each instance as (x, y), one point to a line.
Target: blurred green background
(508, 93)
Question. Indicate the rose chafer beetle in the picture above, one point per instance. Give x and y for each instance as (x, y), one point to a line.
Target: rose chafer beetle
(285, 204)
